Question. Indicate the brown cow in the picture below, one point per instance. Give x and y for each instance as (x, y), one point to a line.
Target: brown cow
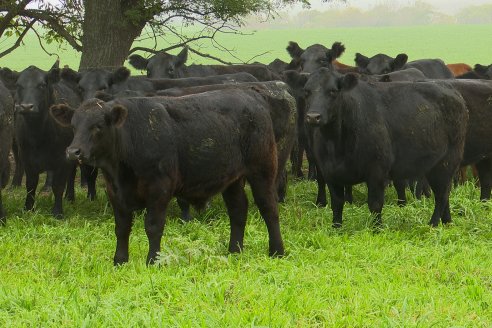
(459, 68)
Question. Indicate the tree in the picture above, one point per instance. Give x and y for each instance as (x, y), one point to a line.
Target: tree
(104, 30)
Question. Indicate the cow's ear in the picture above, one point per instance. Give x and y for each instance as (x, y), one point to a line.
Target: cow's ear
(348, 81)
(117, 116)
(361, 60)
(138, 61)
(70, 75)
(120, 75)
(182, 57)
(480, 68)
(294, 79)
(53, 75)
(385, 78)
(62, 114)
(337, 49)
(399, 62)
(9, 76)
(294, 50)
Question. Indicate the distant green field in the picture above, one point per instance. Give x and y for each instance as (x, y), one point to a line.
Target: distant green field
(454, 43)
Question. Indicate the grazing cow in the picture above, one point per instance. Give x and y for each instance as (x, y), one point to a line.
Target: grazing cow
(373, 132)
(41, 141)
(282, 112)
(278, 66)
(459, 69)
(478, 72)
(383, 64)
(165, 65)
(6, 129)
(315, 56)
(151, 149)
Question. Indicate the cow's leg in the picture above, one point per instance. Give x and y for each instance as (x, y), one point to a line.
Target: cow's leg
(337, 200)
(19, 166)
(484, 168)
(264, 196)
(123, 225)
(70, 191)
(348, 197)
(90, 173)
(375, 199)
(59, 183)
(281, 185)
(440, 182)
(48, 183)
(83, 178)
(321, 196)
(237, 209)
(32, 179)
(299, 158)
(185, 209)
(3, 215)
(400, 191)
(156, 218)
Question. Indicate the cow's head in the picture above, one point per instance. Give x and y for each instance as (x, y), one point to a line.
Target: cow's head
(484, 71)
(161, 65)
(34, 90)
(324, 92)
(95, 124)
(380, 63)
(97, 79)
(315, 56)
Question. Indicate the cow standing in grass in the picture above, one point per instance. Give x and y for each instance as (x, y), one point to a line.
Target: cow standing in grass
(151, 149)
(6, 131)
(375, 132)
(41, 141)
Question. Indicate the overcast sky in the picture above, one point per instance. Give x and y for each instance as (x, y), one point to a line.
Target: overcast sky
(445, 6)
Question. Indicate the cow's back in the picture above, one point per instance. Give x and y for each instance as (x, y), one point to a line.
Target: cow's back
(432, 68)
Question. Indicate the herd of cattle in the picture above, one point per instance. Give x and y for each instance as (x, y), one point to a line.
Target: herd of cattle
(191, 132)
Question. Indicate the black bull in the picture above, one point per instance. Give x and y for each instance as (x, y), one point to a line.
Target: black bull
(151, 149)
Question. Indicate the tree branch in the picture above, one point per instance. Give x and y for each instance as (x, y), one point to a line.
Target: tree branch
(19, 39)
(54, 24)
(11, 13)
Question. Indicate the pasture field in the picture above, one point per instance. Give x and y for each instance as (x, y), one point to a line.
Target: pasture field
(60, 273)
(452, 43)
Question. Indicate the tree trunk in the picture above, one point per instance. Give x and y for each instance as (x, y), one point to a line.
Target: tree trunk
(107, 33)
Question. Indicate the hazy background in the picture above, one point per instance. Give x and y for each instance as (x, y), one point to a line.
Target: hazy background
(359, 13)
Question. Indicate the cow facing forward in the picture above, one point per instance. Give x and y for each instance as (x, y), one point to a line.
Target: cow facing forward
(151, 149)
(372, 132)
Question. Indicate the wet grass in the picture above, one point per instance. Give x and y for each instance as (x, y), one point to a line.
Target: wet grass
(60, 273)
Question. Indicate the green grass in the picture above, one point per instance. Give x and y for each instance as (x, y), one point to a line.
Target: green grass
(60, 273)
(452, 43)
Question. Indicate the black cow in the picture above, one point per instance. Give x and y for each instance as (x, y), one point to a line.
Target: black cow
(6, 129)
(373, 132)
(166, 65)
(120, 84)
(41, 141)
(315, 56)
(151, 149)
(407, 74)
(383, 64)
(282, 111)
(88, 82)
(478, 72)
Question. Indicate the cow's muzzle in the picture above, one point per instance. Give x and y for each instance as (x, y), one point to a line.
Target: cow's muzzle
(313, 118)
(73, 153)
